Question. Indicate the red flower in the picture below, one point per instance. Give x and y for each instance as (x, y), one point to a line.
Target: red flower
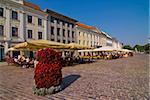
(48, 70)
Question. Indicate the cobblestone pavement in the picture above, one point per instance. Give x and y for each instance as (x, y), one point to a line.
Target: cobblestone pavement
(120, 79)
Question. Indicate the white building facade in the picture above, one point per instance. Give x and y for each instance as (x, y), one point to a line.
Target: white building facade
(20, 21)
(89, 36)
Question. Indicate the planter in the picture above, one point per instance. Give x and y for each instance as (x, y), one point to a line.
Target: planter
(48, 75)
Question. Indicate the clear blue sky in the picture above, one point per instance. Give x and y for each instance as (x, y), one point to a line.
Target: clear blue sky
(127, 20)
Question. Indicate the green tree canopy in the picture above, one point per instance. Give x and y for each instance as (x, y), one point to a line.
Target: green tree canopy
(139, 48)
(147, 48)
(127, 47)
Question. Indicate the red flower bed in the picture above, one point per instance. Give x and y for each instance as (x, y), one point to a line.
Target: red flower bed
(48, 70)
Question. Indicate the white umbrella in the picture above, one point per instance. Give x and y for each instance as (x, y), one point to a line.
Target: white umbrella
(126, 50)
(106, 48)
(85, 50)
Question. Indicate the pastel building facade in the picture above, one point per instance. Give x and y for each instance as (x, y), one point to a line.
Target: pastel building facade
(103, 39)
(60, 28)
(20, 21)
(116, 44)
(88, 35)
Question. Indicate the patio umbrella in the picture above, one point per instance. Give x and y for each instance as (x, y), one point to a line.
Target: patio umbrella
(106, 48)
(76, 46)
(12, 49)
(86, 50)
(39, 44)
(126, 50)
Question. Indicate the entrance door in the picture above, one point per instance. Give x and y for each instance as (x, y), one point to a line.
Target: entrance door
(1, 52)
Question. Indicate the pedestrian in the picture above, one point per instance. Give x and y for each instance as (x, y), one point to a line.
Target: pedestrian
(8, 59)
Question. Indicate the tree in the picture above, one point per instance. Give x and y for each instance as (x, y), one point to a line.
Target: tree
(127, 47)
(139, 48)
(147, 48)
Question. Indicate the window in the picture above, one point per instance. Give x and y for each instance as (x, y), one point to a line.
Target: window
(52, 39)
(68, 41)
(52, 19)
(14, 32)
(29, 19)
(87, 42)
(58, 31)
(1, 30)
(63, 22)
(58, 40)
(58, 21)
(79, 34)
(64, 41)
(72, 25)
(80, 53)
(52, 30)
(68, 24)
(14, 15)
(83, 42)
(91, 44)
(1, 12)
(30, 34)
(39, 22)
(79, 41)
(39, 35)
(68, 33)
(72, 34)
(63, 32)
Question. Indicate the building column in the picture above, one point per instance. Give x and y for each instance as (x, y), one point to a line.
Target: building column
(76, 35)
(22, 26)
(7, 24)
(49, 28)
(61, 32)
(70, 26)
(6, 47)
(7, 29)
(55, 30)
(66, 33)
(45, 29)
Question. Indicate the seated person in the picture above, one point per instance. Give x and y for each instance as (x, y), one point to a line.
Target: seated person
(31, 62)
(35, 62)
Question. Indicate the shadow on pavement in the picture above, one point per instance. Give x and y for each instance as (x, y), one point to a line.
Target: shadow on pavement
(68, 80)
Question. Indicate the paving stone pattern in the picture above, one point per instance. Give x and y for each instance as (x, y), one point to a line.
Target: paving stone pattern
(119, 79)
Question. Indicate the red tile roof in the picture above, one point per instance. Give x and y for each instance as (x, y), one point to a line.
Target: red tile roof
(85, 26)
(31, 5)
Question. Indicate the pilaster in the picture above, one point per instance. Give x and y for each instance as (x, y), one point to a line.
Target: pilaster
(7, 24)
(55, 30)
(22, 25)
(61, 32)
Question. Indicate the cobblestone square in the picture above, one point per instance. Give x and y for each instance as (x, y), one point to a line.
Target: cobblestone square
(119, 79)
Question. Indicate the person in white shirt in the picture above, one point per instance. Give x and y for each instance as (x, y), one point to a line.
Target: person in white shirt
(19, 57)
